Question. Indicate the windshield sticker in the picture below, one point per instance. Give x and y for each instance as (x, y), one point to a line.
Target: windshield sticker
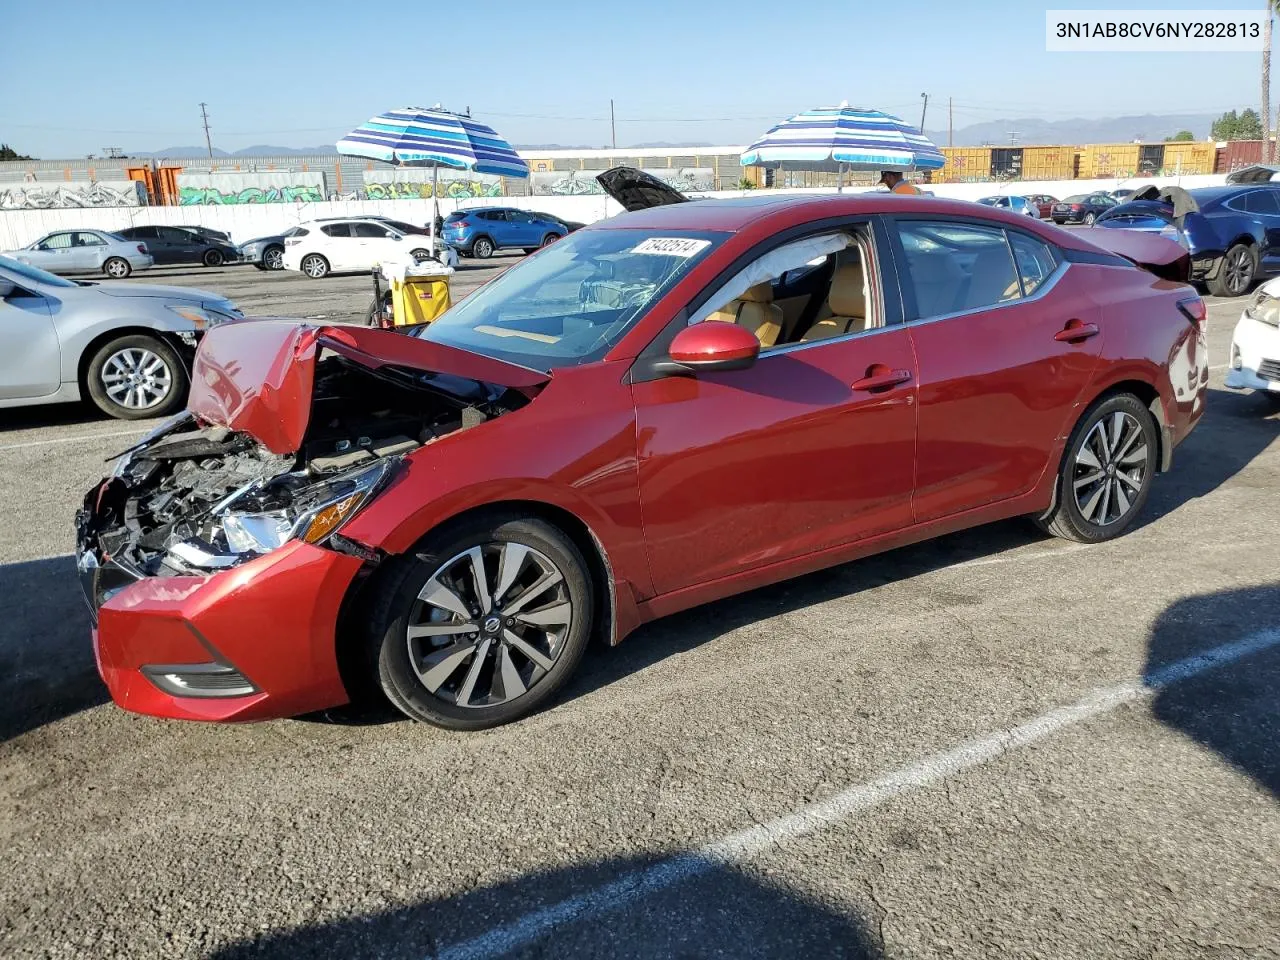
(672, 246)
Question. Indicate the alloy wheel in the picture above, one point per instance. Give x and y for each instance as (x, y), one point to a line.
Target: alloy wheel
(1110, 469)
(136, 378)
(489, 624)
(1239, 270)
(273, 259)
(314, 267)
(117, 268)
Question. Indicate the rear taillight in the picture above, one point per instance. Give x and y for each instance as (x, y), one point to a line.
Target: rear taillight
(1076, 206)
(142, 248)
(1193, 309)
(461, 224)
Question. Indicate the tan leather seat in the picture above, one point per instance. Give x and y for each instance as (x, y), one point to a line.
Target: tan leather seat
(754, 311)
(848, 301)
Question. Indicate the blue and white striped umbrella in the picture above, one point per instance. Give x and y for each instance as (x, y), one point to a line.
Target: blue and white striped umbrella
(414, 136)
(834, 139)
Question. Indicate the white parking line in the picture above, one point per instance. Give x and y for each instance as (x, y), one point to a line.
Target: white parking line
(77, 439)
(1220, 366)
(815, 816)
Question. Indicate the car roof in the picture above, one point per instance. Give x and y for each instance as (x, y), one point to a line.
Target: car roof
(731, 215)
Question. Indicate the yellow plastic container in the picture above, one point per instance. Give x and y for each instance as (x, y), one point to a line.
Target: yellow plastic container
(419, 293)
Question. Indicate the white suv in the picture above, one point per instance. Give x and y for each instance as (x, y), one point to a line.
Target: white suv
(320, 247)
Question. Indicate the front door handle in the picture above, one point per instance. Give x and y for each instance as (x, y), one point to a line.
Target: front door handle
(881, 379)
(1075, 332)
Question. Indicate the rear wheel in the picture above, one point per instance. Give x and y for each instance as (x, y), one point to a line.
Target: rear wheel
(1235, 275)
(315, 266)
(117, 268)
(1107, 471)
(420, 253)
(1089, 219)
(213, 258)
(482, 623)
(482, 248)
(137, 376)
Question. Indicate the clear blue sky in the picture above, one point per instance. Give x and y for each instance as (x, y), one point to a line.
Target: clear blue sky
(76, 76)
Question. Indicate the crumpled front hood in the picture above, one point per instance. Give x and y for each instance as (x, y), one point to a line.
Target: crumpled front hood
(256, 376)
(180, 294)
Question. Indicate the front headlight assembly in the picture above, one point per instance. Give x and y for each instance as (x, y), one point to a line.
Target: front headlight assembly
(201, 317)
(1264, 308)
(315, 513)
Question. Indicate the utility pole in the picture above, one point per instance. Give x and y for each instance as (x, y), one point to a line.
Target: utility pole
(951, 124)
(613, 128)
(204, 115)
(924, 106)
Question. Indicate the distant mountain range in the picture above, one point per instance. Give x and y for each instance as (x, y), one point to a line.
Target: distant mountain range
(1151, 128)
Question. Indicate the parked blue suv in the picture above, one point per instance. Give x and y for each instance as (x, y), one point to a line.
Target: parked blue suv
(479, 232)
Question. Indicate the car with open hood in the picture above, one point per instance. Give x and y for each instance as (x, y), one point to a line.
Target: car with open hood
(1232, 232)
(127, 347)
(663, 408)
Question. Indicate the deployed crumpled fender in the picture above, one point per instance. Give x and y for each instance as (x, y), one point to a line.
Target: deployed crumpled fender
(256, 376)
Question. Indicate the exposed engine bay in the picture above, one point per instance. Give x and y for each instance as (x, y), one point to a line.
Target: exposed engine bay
(194, 499)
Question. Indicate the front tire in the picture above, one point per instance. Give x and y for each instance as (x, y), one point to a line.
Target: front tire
(1107, 471)
(482, 249)
(482, 623)
(549, 239)
(135, 377)
(273, 258)
(117, 268)
(213, 258)
(1235, 275)
(314, 266)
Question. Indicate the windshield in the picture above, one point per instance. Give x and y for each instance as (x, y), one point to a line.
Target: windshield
(569, 303)
(34, 274)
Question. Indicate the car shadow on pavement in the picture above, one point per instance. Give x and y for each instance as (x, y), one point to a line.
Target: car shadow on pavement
(637, 907)
(47, 670)
(1236, 427)
(1234, 709)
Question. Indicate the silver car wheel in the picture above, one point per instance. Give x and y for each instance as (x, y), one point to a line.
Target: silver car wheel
(117, 268)
(273, 259)
(489, 624)
(136, 378)
(1110, 469)
(314, 266)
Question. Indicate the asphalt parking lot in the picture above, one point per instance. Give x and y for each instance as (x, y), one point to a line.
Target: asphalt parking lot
(992, 745)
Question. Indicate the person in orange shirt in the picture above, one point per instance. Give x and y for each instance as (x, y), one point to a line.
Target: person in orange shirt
(896, 184)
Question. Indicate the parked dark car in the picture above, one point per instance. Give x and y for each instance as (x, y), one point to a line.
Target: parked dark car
(180, 245)
(1232, 232)
(1123, 194)
(1082, 208)
(569, 225)
(479, 232)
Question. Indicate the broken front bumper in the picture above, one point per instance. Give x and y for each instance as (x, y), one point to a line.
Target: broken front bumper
(254, 642)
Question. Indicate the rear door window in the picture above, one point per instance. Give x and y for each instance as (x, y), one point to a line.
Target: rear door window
(1262, 202)
(84, 239)
(336, 229)
(370, 230)
(954, 267)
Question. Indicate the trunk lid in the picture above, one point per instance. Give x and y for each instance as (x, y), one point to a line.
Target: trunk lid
(1162, 257)
(637, 190)
(1258, 173)
(256, 376)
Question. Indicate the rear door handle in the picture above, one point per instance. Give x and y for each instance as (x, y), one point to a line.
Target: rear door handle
(1075, 331)
(882, 381)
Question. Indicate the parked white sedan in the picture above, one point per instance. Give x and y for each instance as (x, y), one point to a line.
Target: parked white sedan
(321, 247)
(1255, 344)
(85, 251)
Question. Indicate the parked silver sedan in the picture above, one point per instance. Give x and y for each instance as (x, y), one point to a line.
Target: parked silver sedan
(86, 251)
(127, 346)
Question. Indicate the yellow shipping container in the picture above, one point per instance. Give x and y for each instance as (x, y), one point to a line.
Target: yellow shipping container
(1185, 159)
(965, 164)
(1048, 163)
(1099, 161)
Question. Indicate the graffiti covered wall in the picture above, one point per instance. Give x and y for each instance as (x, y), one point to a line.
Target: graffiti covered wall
(268, 186)
(578, 183)
(62, 196)
(415, 184)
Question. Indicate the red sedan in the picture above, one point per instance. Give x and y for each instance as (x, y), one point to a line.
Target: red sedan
(662, 409)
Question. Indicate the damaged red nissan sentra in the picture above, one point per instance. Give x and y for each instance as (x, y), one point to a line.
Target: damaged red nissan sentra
(661, 409)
